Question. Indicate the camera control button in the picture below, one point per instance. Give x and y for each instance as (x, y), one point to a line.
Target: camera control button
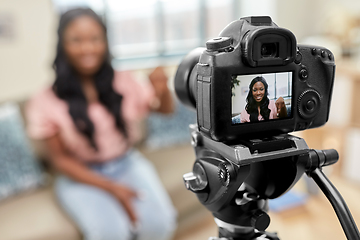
(219, 43)
(323, 53)
(298, 58)
(303, 74)
(313, 51)
(309, 104)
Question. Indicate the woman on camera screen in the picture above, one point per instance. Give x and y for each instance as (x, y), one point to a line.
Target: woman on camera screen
(88, 122)
(259, 107)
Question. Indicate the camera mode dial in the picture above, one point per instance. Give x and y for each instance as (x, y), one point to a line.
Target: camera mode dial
(219, 44)
(309, 104)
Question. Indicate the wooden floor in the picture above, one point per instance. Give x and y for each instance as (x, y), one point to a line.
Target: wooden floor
(313, 221)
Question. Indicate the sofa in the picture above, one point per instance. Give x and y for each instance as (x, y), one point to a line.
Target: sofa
(34, 214)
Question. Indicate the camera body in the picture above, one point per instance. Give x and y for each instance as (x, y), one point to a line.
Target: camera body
(301, 75)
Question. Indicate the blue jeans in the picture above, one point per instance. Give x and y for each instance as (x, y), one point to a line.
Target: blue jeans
(101, 217)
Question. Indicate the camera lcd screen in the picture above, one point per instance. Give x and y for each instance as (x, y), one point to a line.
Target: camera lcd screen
(261, 97)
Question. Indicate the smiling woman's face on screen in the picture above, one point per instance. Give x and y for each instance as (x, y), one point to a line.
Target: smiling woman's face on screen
(258, 91)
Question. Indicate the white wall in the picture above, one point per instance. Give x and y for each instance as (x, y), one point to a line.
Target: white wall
(303, 18)
(258, 8)
(25, 59)
(351, 162)
(241, 92)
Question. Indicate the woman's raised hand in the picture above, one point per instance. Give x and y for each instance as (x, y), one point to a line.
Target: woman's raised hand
(159, 79)
(164, 101)
(280, 107)
(280, 103)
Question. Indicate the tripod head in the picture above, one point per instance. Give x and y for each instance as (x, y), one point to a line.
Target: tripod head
(235, 180)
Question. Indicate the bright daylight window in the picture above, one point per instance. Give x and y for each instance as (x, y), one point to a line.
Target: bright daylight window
(144, 31)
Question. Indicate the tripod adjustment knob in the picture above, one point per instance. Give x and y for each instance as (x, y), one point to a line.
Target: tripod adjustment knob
(196, 180)
(224, 174)
(260, 220)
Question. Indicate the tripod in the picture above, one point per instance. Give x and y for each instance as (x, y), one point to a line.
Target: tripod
(235, 180)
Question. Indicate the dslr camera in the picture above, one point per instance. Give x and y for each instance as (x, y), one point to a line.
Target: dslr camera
(251, 86)
(216, 81)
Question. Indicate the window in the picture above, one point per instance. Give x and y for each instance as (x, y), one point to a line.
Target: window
(152, 32)
(280, 85)
(144, 30)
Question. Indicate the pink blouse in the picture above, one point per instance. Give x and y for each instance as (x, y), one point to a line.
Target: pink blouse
(245, 117)
(48, 115)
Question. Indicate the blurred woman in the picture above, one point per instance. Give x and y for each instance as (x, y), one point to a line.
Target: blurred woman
(259, 107)
(88, 121)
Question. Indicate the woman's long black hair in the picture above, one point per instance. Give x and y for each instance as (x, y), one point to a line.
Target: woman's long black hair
(252, 106)
(67, 84)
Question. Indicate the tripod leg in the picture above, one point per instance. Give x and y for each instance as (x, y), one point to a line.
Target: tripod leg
(342, 211)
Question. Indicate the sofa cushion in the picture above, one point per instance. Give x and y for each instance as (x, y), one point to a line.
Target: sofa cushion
(170, 130)
(35, 216)
(19, 170)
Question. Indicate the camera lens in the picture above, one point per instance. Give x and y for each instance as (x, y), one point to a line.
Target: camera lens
(269, 50)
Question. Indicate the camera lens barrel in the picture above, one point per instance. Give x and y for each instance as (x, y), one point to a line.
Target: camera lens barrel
(185, 78)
